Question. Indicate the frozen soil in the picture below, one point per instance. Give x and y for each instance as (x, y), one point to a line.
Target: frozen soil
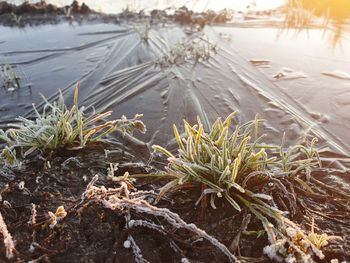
(91, 233)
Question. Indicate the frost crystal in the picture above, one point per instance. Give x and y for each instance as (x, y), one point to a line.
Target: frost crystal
(291, 232)
(127, 244)
(21, 185)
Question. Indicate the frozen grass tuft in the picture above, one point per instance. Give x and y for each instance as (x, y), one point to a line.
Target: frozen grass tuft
(239, 168)
(57, 126)
(197, 50)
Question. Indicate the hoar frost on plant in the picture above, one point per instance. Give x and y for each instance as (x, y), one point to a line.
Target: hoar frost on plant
(127, 244)
(7, 239)
(136, 251)
(122, 201)
(273, 251)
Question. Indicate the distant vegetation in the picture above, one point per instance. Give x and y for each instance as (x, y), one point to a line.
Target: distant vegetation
(301, 14)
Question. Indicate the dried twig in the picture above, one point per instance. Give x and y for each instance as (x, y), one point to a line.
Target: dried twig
(8, 241)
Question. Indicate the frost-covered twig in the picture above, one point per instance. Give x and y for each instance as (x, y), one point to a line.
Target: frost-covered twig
(143, 223)
(8, 241)
(33, 214)
(120, 200)
(135, 250)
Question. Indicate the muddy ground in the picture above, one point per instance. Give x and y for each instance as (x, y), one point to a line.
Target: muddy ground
(90, 233)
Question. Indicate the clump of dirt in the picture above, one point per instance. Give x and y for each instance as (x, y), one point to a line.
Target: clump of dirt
(89, 232)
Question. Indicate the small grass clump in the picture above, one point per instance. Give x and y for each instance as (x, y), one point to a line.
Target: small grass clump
(57, 126)
(241, 169)
(10, 77)
(197, 50)
(320, 240)
(144, 33)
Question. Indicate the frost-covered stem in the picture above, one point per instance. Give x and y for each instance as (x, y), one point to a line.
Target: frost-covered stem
(136, 251)
(8, 242)
(88, 187)
(281, 232)
(118, 199)
(141, 206)
(266, 224)
(33, 214)
(143, 223)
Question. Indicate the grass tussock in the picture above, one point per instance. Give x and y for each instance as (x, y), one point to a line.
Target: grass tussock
(238, 167)
(196, 51)
(57, 126)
